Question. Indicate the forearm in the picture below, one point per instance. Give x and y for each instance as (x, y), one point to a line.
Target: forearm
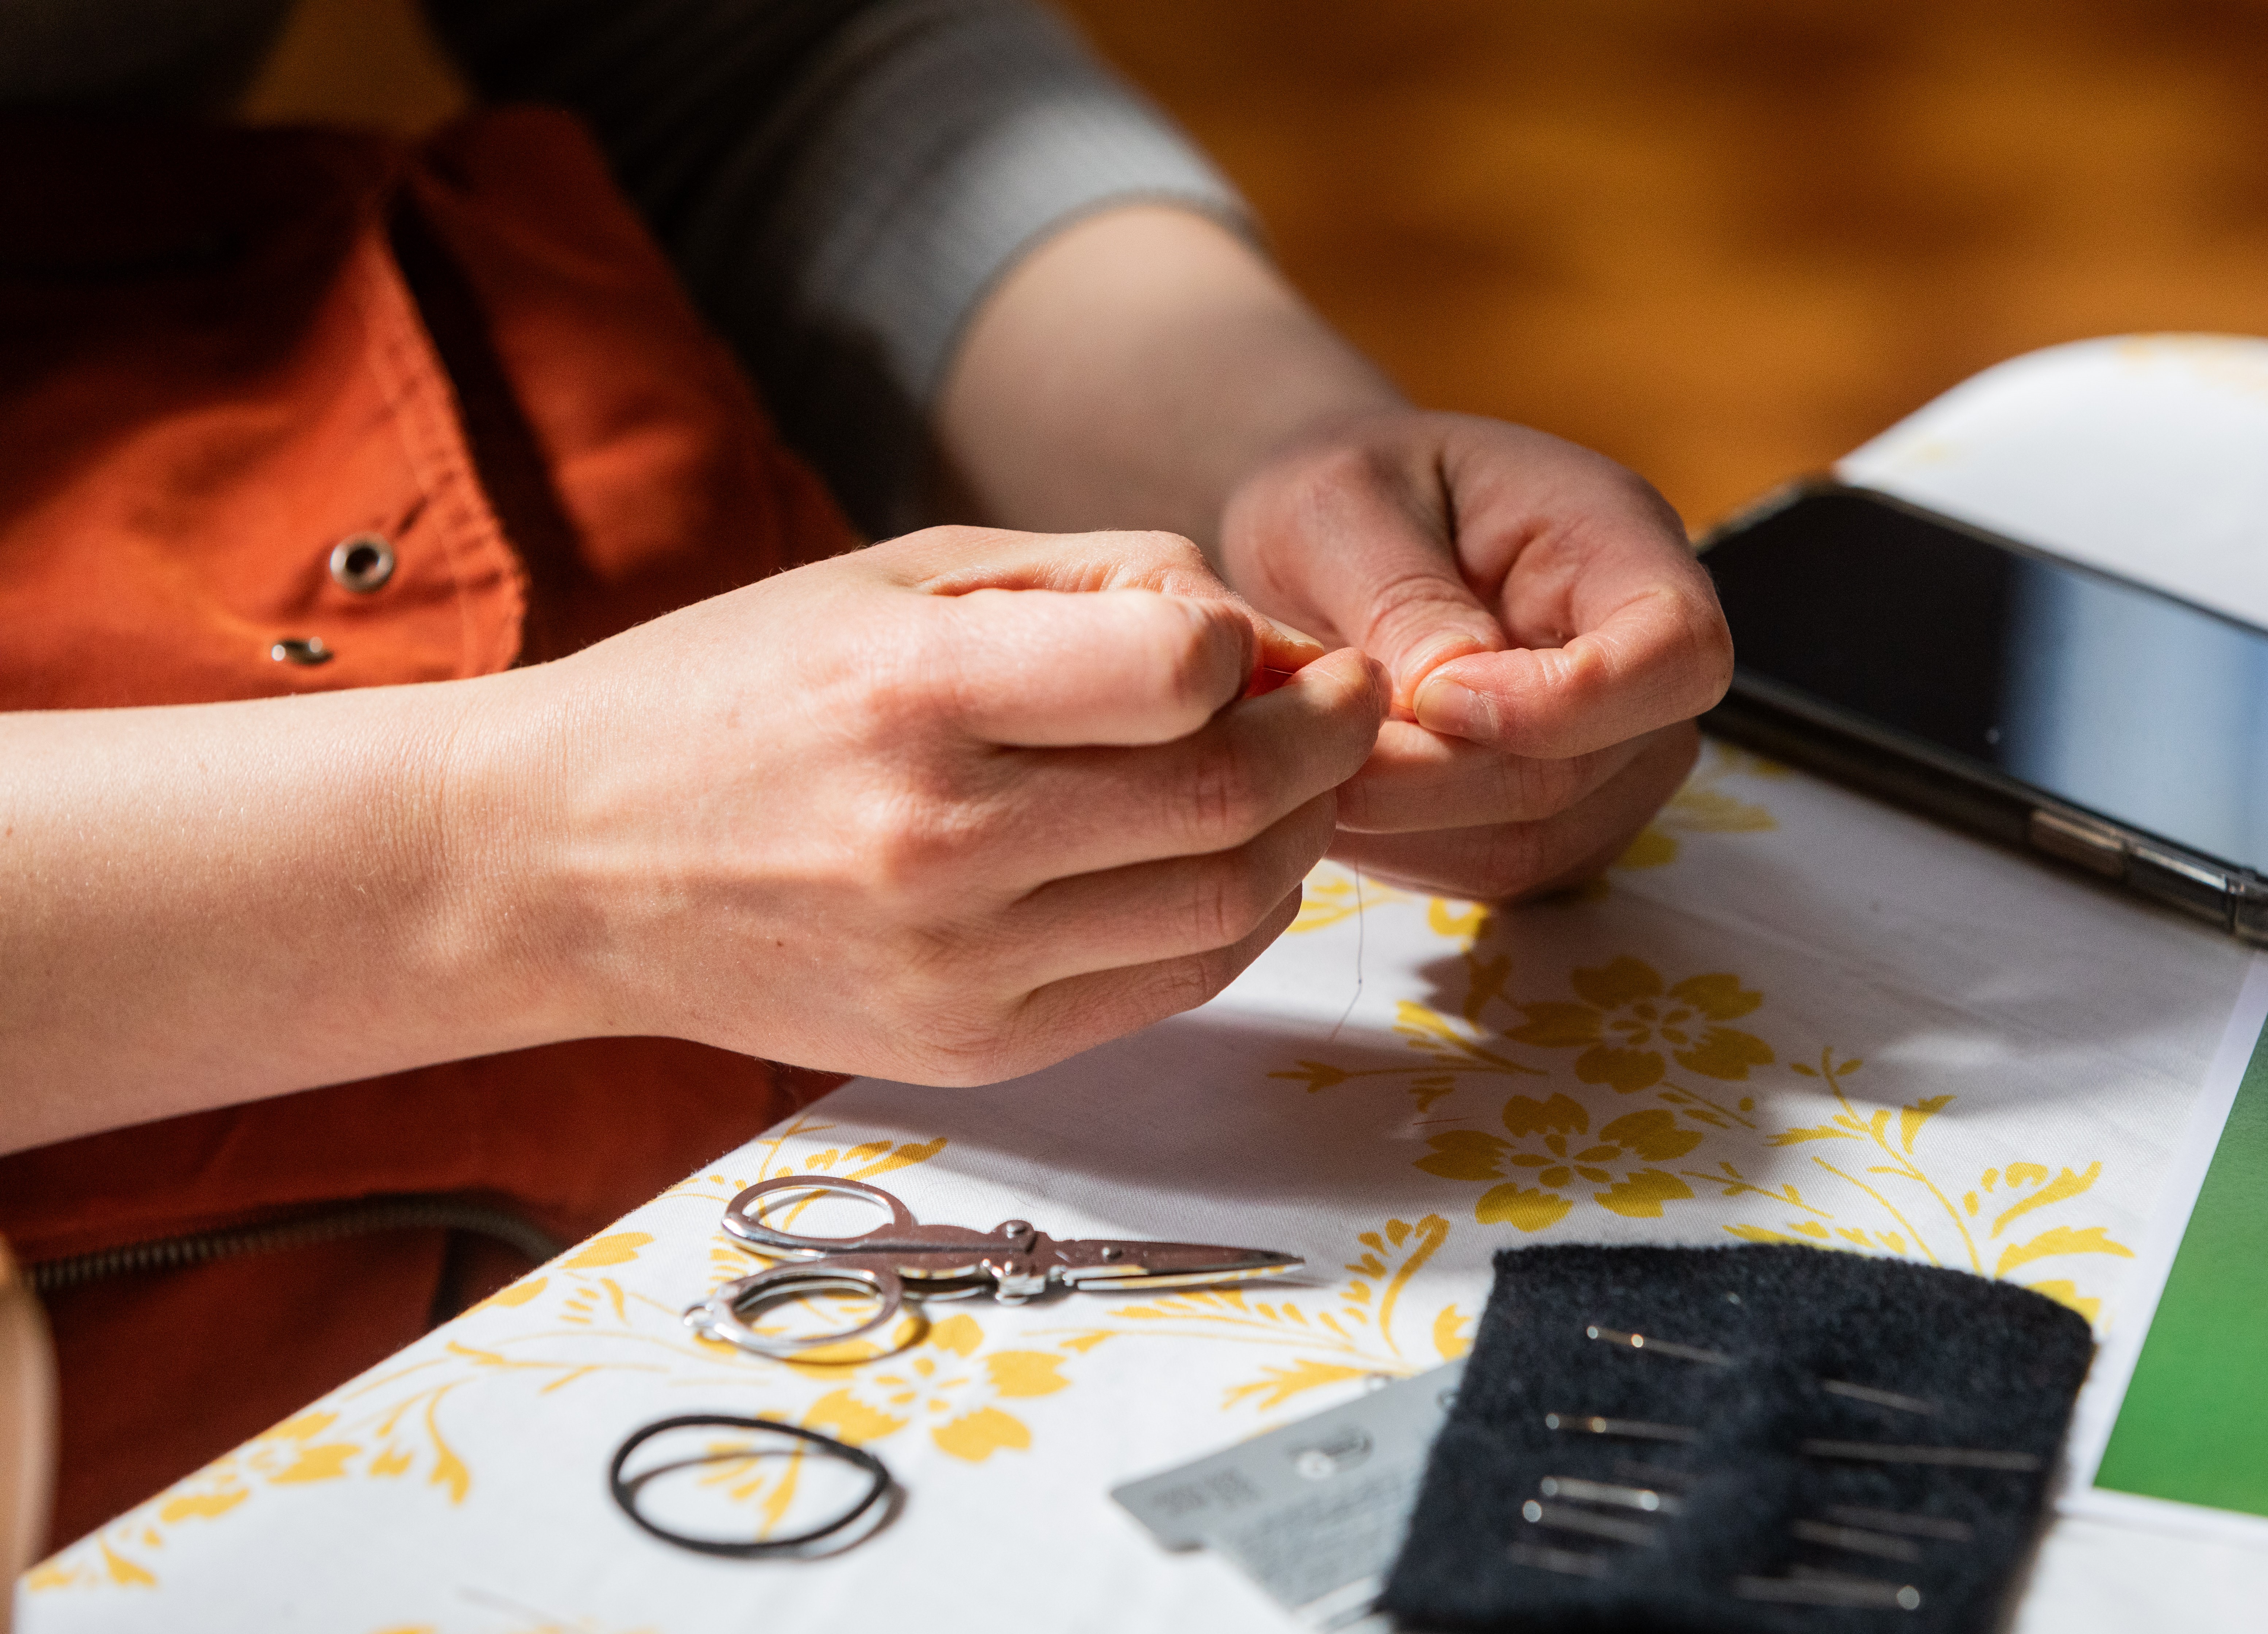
(1129, 371)
(948, 808)
(219, 902)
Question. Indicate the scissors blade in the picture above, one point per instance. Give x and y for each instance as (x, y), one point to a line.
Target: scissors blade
(1101, 1262)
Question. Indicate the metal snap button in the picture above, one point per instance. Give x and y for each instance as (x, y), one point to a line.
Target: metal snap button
(308, 650)
(362, 563)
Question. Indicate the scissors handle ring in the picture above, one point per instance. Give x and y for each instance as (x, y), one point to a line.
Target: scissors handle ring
(719, 1317)
(741, 1213)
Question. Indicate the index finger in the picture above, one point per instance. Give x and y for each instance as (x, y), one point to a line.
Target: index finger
(954, 561)
(1038, 668)
(1051, 640)
(1661, 656)
(1617, 630)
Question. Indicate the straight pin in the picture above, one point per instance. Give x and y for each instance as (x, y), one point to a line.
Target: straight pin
(1658, 1347)
(1913, 1525)
(1872, 1397)
(1854, 1593)
(1560, 1518)
(1568, 1561)
(1578, 1491)
(1882, 1545)
(1631, 1429)
(1950, 1457)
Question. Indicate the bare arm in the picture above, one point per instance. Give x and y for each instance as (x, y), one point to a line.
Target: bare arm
(219, 902)
(1138, 366)
(947, 809)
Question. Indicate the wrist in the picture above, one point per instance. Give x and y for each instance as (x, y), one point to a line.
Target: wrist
(1132, 370)
(512, 917)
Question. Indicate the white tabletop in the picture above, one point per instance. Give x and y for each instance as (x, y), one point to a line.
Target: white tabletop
(1789, 1013)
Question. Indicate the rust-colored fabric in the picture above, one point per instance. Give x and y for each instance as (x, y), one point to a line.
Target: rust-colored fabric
(221, 352)
(211, 371)
(573, 1136)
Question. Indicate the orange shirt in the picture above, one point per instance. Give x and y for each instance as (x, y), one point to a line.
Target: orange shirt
(292, 410)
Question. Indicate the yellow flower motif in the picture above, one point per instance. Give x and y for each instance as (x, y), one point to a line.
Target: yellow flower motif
(1642, 1194)
(1653, 848)
(846, 1417)
(1628, 1020)
(977, 1436)
(1518, 1206)
(618, 1249)
(1333, 895)
(935, 1381)
(1903, 1170)
(1651, 1136)
(1358, 1340)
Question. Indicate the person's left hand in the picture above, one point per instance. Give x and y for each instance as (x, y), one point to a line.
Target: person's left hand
(1549, 636)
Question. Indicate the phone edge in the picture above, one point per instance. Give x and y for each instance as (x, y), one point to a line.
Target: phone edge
(1779, 721)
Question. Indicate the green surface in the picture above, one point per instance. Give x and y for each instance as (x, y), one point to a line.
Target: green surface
(2194, 1425)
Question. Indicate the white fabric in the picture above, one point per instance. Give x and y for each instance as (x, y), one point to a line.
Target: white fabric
(2016, 1048)
(2144, 455)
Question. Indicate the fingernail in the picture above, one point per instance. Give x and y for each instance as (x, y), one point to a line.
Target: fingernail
(1416, 667)
(1289, 640)
(1456, 710)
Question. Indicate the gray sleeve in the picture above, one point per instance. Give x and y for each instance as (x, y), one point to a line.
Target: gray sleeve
(840, 181)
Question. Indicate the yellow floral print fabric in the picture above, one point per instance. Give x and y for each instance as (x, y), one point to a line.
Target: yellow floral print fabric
(1785, 1016)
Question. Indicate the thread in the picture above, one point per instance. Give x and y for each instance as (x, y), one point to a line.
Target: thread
(1356, 997)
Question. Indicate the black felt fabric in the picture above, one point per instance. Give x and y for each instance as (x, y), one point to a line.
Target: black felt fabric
(2002, 1362)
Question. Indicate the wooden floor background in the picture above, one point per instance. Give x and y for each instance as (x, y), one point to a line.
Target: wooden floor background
(1723, 241)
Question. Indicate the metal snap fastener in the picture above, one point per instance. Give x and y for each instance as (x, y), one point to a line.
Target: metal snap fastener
(301, 650)
(362, 563)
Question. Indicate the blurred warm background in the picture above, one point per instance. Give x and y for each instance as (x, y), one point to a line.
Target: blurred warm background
(1723, 241)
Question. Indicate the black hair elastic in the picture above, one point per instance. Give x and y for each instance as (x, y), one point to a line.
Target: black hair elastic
(625, 1492)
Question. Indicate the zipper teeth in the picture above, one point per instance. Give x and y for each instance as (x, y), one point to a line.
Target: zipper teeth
(353, 1219)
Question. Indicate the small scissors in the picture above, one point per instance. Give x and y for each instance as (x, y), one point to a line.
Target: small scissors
(1015, 1260)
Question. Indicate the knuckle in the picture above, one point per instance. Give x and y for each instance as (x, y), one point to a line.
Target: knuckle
(927, 834)
(1195, 980)
(1159, 560)
(1640, 495)
(1610, 489)
(1221, 802)
(1224, 902)
(954, 1036)
(1415, 603)
(1508, 862)
(1529, 789)
(1700, 650)
(963, 1058)
(1712, 651)
(1331, 476)
(1170, 549)
(1309, 833)
(893, 685)
(1200, 657)
(1360, 807)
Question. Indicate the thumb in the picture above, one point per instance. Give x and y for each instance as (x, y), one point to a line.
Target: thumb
(1366, 552)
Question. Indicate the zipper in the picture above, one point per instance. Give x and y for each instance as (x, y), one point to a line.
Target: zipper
(412, 1211)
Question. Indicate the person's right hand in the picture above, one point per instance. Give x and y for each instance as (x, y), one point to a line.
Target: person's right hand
(947, 810)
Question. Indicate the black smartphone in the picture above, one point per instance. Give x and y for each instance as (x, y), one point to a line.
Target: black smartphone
(1993, 685)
